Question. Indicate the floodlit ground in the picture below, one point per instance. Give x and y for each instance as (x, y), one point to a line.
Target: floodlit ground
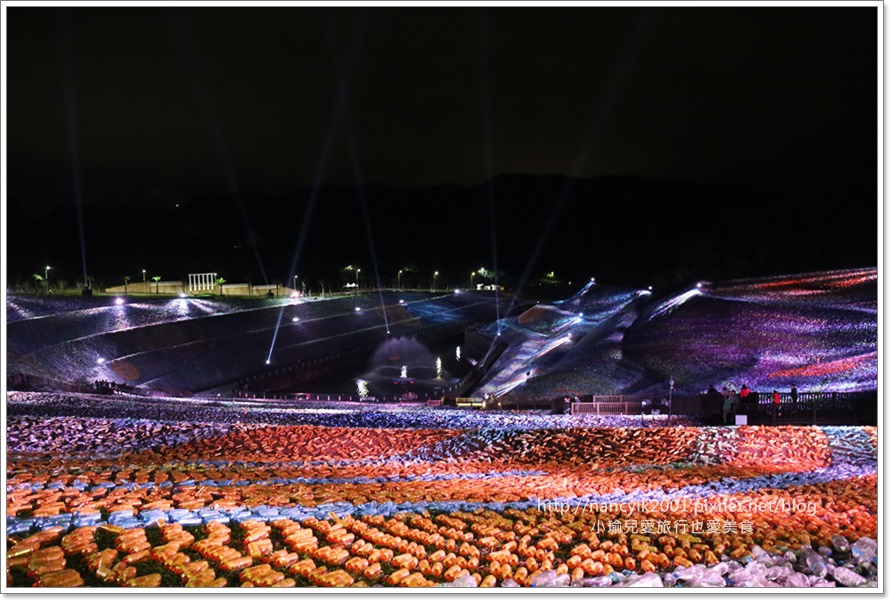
(192, 344)
(817, 331)
(200, 494)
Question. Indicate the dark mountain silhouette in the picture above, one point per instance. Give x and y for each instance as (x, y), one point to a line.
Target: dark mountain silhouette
(623, 230)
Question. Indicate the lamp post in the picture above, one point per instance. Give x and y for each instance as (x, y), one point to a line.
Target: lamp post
(295, 282)
(46, 276)
(435, 276)
(144, 281)
(670, 399)
(400, 278)
(472, 280)
(357, 271)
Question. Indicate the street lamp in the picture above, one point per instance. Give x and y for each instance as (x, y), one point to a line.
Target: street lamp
(357, 271)
(435, 275)
(46, 276)
(400, 278)
(472, 279)
(144, 281)
(295, 282)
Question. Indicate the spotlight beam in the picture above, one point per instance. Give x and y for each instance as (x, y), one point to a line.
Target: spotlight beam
(618, 80)
(320, 171)
(66, 49)
(356, 165)
(317, 181)
(487, 129)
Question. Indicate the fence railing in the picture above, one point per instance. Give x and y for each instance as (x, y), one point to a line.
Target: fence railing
(620, 398)
(470, 402)
(607, 408)
(814, 408)
(31, 382)
(810, 408)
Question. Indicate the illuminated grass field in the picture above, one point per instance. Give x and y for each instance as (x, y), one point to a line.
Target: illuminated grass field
(238, 496)
(117, 490)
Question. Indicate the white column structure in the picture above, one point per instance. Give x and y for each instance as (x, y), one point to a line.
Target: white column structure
(202, 282)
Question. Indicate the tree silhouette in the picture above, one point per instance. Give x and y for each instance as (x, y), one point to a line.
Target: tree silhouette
(157, 279)
(220, 281)
(126, 281)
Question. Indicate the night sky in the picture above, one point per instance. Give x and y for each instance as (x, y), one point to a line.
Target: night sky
(147, 107)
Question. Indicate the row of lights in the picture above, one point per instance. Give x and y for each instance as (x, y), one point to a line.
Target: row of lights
(399, 277)
(357, 271)
(119, 301)
(47, 268)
